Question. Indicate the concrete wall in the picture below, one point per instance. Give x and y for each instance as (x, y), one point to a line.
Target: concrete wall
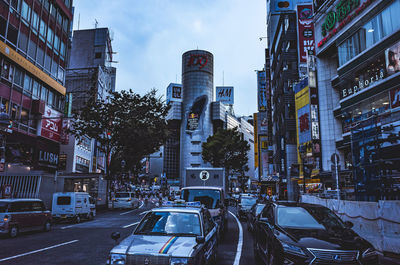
(377, 222)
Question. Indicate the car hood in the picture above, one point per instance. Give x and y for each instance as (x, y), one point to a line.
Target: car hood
(345, 239)
(178, 246)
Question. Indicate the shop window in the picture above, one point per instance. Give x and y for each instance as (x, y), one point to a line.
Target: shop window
(23, 42)
(28, 85)
(18, 77)
(25, 11)
(43, 94)
(35, 89)
(12, 34)
(35, 22)
(32, 49)
(7, 71)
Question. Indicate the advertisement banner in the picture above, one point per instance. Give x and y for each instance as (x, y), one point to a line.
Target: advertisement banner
(51, 124)
(262, 123)
(174, 93)
(281, 6)
(262, 91)
(303, 112)
(224, 94)
(264, 155)
(395, 97)
(392, 56)
(305, 31)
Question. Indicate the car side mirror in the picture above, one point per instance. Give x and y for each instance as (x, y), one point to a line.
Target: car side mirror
(200, 239)
(116, 236)
(348, 224)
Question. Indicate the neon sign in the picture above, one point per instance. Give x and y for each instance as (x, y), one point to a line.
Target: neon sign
(197, 60)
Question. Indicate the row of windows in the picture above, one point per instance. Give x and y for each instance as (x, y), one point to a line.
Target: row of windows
(82, 161)
(29, 85)
(20, 116)
(382, 25)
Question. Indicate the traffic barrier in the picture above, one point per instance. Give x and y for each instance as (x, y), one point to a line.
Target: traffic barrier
(377, 222)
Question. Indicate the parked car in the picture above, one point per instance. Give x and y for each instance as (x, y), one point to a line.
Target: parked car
(301, 233)
(178, 233)
(72, 206)
(125, 199)
(252, 215)
(20, 215)
(245, 204)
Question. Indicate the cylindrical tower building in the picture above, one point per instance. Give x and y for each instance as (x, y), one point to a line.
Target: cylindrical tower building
(197, 86)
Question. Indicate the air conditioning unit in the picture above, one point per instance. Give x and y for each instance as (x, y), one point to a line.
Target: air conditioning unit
(38, 106)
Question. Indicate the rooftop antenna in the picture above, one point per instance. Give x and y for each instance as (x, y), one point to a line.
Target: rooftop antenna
(95, 23)
(79, 20)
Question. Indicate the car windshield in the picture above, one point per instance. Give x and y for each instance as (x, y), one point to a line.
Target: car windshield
(170, 223)
(122, 195)
(248, 201)
(3, 207)
(308, 218)
(63, 200)
(210, 198)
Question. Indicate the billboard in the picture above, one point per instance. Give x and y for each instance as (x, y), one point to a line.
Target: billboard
(261, 91)
(224, 94)
(262, 123)
(174, 93)
(303, 112)
(263, 143)
(305, 31)
(395, 97)
(392, 58)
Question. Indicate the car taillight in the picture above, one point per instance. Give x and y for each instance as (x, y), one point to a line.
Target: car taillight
(129, 199)
(6, 218)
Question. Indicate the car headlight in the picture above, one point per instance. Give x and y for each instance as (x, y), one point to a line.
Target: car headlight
(179, 261)
(370, 252)
(116, 259)
(292, 249)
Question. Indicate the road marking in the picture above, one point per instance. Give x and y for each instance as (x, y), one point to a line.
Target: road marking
(143, 212)
(240, 241)
(39, 250)
(141, 205)
(68, 226)
(126, 226)
(127, 212)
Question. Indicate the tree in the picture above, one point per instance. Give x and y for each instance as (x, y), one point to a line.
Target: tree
(126, 124)
(227, 149)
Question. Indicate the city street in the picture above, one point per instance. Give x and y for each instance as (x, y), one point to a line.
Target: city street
(89, 242)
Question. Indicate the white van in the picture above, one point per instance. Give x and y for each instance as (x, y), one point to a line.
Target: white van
(125, 199)
(73, 206)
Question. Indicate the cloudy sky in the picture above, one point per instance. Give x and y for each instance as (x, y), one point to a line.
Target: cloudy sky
(150, 37)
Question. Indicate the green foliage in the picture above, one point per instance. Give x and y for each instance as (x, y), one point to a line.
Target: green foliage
(127, 125)
(227, 149)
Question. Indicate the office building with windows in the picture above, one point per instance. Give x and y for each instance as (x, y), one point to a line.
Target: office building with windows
(358, 51)
(34, 41)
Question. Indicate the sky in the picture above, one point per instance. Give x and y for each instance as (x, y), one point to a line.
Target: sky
(150, 37)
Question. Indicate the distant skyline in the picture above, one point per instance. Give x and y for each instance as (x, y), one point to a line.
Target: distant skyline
(150, 37)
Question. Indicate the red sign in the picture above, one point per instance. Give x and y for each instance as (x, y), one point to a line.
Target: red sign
(198, 60)
(304, 122)
(395, 97)
(305, 31)
(51, 124)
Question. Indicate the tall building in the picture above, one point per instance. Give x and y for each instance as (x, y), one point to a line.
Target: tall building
(284, 72)
(34, 41)
(90, 74)
(358, 76)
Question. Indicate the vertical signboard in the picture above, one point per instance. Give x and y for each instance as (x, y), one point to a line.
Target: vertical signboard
(262, 90)
(174, 93)
(255, 141)
(305, 31)
(263, 143)
(224, 94)
(51, 124)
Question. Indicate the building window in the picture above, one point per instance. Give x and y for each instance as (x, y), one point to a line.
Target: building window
(15, 4)
(35, 22)
(47, 63)
(28, 85)
(54, 69)
(42, 30)
(43, 94)
(40, 56)
(23, 42)
(24, 119)
(12, 35)
(56, 44)
(7, 71)
(50, 36)
(32, 49)
(35, 89)
(62, 50)
(25, 11)
(18, 77)
(14, 111)
(97, 55)
(65, 24)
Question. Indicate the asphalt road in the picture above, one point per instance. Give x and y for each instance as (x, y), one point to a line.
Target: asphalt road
(89, 242)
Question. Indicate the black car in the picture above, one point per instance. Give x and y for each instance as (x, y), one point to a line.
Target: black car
(252, 215)
(301, 233)
(244, 205)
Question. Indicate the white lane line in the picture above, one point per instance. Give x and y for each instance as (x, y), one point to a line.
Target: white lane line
(240, 241)
(143, 212)
(127, 212)
(141, 205)
(68, 226)
(126, 226)
(39, 250)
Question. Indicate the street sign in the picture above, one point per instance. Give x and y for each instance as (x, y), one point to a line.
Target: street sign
(204, 175)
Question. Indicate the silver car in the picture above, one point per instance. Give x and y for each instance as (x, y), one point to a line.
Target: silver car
(170, 235)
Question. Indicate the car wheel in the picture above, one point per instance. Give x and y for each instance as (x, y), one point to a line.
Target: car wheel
(47, 226)
(77, 219)
(13, 231)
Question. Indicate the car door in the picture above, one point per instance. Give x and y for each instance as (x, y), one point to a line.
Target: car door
(210, 234)
(37, 215)
(265, 230)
